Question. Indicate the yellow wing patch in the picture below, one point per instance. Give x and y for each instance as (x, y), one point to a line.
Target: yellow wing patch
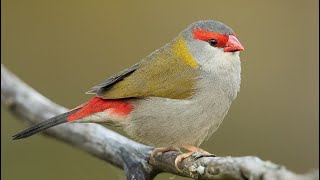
(182, 52)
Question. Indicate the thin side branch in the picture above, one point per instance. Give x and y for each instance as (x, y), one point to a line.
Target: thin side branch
(127, 154)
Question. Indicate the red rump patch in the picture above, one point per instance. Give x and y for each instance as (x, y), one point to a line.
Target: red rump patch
(207, 35)
(96, 104)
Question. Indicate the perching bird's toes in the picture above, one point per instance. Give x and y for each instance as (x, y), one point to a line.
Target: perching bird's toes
(180, 157)
(196, 153)
(202, 153)
(162, 150)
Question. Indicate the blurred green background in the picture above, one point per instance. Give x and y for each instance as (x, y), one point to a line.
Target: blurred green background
(62, 48)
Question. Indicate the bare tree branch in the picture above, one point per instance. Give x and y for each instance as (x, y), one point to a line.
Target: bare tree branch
(129, 155)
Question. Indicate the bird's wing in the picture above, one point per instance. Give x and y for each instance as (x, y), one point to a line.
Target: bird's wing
(169, 72)
(107, 84)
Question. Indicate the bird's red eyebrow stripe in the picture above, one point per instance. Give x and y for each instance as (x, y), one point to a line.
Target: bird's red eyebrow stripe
(205, 35)
(97, 104)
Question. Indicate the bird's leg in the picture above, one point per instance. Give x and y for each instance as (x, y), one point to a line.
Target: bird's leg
(192, 150)
(162, 150)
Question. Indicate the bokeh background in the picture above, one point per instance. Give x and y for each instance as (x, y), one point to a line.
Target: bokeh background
(62, 48)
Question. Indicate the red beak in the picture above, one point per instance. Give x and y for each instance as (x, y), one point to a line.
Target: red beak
(233, 45)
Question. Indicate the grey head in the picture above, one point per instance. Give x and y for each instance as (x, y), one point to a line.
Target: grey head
(212, 44)
(208, 25)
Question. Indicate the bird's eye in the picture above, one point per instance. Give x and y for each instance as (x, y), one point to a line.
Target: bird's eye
(213, 42)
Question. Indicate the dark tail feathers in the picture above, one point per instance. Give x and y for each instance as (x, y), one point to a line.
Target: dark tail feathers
(62, 118)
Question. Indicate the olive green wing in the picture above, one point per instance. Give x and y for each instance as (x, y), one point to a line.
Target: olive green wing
(107, 84)
(168, 72)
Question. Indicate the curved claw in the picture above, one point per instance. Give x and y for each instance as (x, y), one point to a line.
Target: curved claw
(180, 157)
(162, 150)
(192, 150)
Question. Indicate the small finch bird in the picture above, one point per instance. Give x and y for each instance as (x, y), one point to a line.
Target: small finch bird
(176, 97)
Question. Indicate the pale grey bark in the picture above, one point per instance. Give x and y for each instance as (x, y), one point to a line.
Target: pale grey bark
(28, 104)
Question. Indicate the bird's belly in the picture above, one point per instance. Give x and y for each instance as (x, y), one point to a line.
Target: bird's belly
(167, 122)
